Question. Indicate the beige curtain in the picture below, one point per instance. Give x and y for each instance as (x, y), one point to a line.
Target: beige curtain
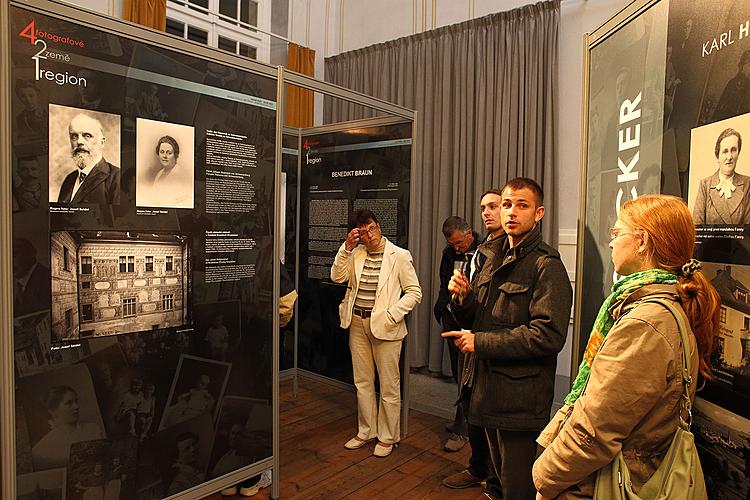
(299, 101)
(485, 91)
(149, 13)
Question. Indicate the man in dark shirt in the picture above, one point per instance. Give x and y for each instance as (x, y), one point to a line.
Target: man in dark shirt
(457, 254)
(518, 309)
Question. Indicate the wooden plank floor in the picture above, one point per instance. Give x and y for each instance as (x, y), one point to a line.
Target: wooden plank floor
(315, 464)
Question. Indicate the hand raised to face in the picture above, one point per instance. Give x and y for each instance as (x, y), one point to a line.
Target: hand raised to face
(352, 240)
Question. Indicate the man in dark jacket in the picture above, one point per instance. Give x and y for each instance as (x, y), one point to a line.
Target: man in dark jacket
(457, 254)
(518, 309)
(479, 469)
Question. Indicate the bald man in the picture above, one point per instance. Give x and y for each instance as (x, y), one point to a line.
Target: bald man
(95, 180)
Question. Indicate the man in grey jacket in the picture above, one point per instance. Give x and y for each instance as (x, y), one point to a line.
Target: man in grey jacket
(518, 309)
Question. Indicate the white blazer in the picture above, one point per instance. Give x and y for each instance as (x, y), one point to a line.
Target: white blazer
(397, 275)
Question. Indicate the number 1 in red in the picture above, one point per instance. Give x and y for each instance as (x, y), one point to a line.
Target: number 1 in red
(29, 32)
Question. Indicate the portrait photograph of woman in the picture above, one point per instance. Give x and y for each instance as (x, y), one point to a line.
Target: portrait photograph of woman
(719, 191)
(165, 164)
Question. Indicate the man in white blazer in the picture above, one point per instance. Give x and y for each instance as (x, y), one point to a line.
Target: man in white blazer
(382, 289)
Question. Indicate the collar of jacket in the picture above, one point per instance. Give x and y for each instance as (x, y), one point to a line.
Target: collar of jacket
(619, 309)
(500, 247)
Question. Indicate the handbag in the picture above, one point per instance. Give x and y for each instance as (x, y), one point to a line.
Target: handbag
(680, 475)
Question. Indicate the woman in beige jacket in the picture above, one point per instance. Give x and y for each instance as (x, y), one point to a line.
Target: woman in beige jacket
(633, 359)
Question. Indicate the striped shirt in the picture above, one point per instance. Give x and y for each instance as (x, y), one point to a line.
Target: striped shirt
(368, 282)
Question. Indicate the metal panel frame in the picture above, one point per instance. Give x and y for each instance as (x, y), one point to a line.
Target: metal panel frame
(7, 379)
(591, 40)
(125, 29)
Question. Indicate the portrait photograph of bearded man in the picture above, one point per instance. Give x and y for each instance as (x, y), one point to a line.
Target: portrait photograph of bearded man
(83, 145)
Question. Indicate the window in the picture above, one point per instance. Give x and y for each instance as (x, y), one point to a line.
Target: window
(723, 315)
(127, 264)
(197, 35)
(746, 324)
(742, 296)
(68, 319)
(86, 265)
(237, 26)
(167, 301)
(87, 312)
(128, 306)
(149, 263)
(66, 256)
(85, 285)
(169, 266)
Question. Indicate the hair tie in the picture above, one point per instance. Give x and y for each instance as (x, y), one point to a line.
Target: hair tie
(691, 267)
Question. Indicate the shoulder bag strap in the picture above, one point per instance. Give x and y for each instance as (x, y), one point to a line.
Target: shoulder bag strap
(687, 379)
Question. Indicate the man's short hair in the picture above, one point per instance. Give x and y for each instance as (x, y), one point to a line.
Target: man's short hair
(498, 192)
(526, 183)
(727, 132)
(453, 224)
(361, 217)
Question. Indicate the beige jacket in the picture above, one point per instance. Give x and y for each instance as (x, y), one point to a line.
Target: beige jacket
(631, 402)
(397, 275)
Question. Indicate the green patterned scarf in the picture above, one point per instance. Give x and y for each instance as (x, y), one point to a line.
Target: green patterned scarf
(604, 321)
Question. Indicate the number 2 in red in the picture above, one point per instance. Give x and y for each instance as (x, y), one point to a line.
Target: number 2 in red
(29, 32)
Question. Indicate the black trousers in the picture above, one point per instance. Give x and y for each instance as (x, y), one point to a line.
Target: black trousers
(513, 454)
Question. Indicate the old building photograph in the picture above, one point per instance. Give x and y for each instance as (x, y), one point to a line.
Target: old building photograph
(113, 282)
(733, 341)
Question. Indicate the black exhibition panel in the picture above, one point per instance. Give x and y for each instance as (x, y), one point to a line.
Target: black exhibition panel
(343, 170)
(665, 81)
(143, 243)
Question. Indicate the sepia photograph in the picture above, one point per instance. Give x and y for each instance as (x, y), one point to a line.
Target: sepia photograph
(113, 282)
(84, 156)
(218, 328)
(28, 185)
(43, 485)
(60, 408)
(157, 349)
(243, 434)
(719, 180)
(164, 164)
(723, 442)
(197, 388)
(730, 358)
(103, 469)
(180, 454)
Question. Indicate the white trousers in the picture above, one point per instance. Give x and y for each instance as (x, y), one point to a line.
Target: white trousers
(383, 420)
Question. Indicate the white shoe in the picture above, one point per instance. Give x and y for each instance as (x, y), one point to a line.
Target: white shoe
(356, 443)
(229, 492)
(265, 479)
(382, 450)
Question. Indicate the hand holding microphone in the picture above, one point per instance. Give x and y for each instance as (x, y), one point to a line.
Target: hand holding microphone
(459, 286)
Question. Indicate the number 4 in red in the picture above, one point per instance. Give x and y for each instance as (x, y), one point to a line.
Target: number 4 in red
(29, 32)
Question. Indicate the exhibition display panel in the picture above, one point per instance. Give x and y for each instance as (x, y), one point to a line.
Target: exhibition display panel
(152, 198)
(345, 167)
(143, 241)
(667, 88)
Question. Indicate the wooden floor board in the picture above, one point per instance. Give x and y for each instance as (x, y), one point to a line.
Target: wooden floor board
(315, 465)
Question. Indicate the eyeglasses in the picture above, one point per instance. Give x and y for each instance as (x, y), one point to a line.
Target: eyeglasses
(370, 230)
(616, 232)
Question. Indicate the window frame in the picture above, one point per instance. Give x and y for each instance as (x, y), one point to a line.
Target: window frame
(216, 24)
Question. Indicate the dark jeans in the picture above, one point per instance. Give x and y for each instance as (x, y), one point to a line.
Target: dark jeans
(479, 461)
(513, 454)
(460, 424)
